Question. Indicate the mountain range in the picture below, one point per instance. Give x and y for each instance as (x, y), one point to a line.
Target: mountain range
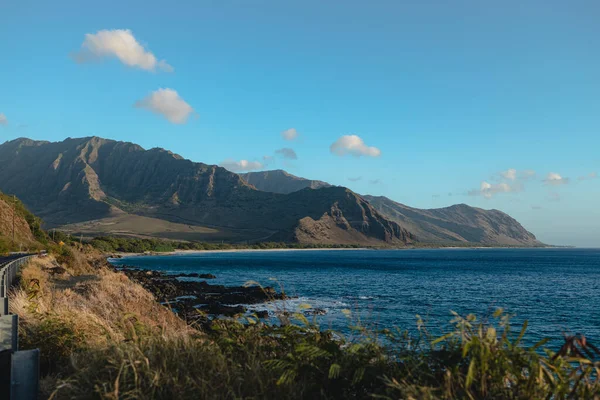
(457, 224)
(97, 186)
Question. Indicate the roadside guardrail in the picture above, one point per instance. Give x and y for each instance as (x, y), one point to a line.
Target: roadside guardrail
(19, 370)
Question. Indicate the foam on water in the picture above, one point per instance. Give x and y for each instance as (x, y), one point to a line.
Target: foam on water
(556, 290)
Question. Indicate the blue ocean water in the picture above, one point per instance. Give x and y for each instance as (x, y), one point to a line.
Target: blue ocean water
(556, 290)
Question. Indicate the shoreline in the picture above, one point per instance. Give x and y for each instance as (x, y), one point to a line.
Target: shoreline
(182, 252)
(190, 252)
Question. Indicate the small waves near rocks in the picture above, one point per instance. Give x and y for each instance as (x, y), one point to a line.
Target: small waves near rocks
(556, 290)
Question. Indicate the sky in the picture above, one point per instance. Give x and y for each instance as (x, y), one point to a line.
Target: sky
(430, 103)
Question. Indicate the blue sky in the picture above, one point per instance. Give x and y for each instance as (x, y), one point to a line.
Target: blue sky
(450, 94)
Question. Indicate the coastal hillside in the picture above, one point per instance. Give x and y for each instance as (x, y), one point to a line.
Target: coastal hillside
(89, 185)
(454, 225)
(280, 181)
(14, 218)
(457, 224)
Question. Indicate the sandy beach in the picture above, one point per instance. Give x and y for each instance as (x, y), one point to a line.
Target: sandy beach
(182, 252)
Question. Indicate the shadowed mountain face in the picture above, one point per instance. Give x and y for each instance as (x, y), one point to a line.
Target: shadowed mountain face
(456, 224)
(279, 181)
(451, 225)
(91, 183)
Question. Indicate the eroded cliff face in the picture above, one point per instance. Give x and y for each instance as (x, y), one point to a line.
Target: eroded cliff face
(87, 179)
(457, 224)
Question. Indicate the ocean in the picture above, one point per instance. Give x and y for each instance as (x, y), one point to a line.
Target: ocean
(556, 290)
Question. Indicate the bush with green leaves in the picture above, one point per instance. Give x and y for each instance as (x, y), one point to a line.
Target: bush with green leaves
(246, 358)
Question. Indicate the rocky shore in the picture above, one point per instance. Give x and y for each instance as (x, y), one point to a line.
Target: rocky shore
(196, 301)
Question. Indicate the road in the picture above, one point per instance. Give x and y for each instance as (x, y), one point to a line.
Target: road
(5, 259)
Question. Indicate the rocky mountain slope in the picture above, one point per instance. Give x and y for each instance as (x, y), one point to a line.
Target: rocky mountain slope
(456, 224)
(91, 183)
(280, 181)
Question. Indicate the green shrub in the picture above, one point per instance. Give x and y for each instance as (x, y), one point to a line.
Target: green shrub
(249, 359)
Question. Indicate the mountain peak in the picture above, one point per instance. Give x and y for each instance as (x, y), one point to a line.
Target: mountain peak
(100, 185)
(280, 181)
(459, 223)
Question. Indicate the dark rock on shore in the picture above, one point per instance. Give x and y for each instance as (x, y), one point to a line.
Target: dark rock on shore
(262, 314)
(194, 275)
(192, 299)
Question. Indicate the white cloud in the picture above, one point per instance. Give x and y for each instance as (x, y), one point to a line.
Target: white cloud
(353, 144)
(355, 179)
(374, 181)
(119, 43)
(555, 179)
(287, 153)
(488, 190)
(289, 134)
(512, 174)
(167, 103)
(3, 119)
(509, 174)
(241, 166)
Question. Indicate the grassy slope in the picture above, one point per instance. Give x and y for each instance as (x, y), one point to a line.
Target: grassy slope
(28, 234)
(103, 336)
(139, 226)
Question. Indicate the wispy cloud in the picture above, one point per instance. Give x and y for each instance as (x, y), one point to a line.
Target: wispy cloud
(241, 166)
(355, 179)
(510, 174)
(591, 175)
(508, 181)
(120, 44)
(488, 190)
(513, 174)
(354, 145)
(289, 134)
(374, 181)
(536, 207)
(3, 119)
(287, 153)
(555, 179)
(527, 174)
(168, 103)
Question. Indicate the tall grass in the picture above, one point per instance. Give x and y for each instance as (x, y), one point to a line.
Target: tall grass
(107, 338)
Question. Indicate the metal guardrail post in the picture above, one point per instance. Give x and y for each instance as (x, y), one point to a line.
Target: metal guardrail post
(19, 379)
(3, 306)
(9, 332)
(25, 375)
(5, 367)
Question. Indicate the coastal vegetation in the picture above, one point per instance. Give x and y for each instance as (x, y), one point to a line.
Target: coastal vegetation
(103, 335)
(137, 245)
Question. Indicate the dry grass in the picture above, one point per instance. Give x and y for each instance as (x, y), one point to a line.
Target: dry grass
(102, 306)
(82, 304)
(103, 336)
